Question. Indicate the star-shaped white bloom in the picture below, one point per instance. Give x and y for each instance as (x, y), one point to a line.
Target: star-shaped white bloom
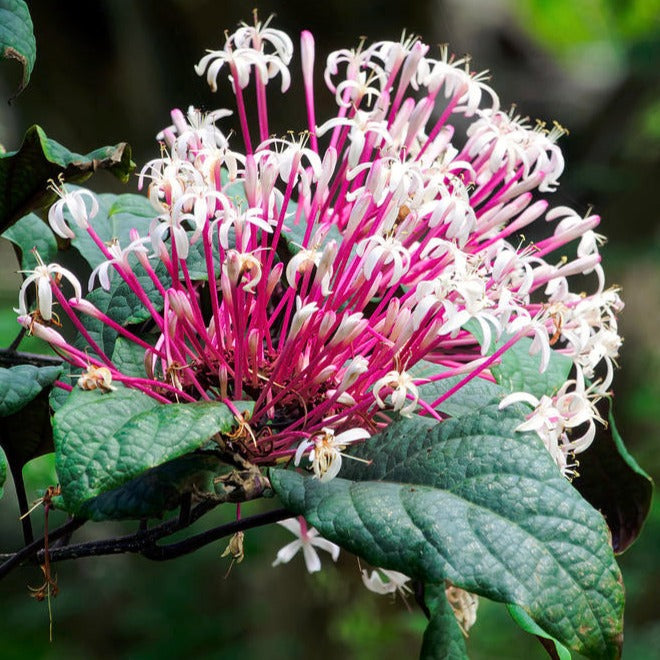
(42, 277)
(325, 455)
(393, 581)
(308, 537)
(74, 202)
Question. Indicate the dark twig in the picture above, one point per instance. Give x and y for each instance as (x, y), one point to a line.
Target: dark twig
(33, 548)
(144, 543)
(10, 357)
(174, 550)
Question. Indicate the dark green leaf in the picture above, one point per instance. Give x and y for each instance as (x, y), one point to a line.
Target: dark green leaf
(24, 174)
(31, 232)
(473, 501)
(518, 371)
(17, 40)
(443, 638)
(156, 490)
(20, 384)
(612, 481)
(103, 441)
(528, 624)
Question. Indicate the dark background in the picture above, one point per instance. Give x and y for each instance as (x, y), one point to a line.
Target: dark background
(110, 71)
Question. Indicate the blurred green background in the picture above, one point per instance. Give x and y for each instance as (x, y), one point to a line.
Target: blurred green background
(110, 71)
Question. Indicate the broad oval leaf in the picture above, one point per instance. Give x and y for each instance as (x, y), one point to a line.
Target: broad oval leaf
(22, 383)
(17, 40)
(103, 441)
(473, 501)
(24, 174)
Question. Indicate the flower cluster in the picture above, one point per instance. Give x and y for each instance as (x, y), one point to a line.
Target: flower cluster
(336, 261)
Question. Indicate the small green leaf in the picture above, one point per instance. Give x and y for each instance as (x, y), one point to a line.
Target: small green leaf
(17, 40)
(103, 441)
(519, 371)
(24, 174)
(612, 482)
(29, 233)
(472, 501)
(3, 471)
(528, 624)
(443, 638)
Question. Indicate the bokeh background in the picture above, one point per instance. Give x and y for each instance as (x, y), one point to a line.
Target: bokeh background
(110, 71)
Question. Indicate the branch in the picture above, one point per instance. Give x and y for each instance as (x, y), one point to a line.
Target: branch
(33, 548)
(144, 542)
(174, 550)
(11, 358)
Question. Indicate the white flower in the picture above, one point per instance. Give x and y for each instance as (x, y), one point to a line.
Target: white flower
(74, 202)
(41, 275)
(308, 537)
(120, 257)
(393, 582)
(325, 456)
(402, 384)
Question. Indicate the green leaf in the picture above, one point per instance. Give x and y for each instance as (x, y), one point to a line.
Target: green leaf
(557, 650)
(443, 638)
(17, 40)
(24, 174)
(128, 357)
(134, 205)
(475, 394)
(472, 501)
(519, 371)
(612, 482)
(29, 233)
(25, 431)
(3, 471)
(117, 215)
(20, 384)
(103, 441)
